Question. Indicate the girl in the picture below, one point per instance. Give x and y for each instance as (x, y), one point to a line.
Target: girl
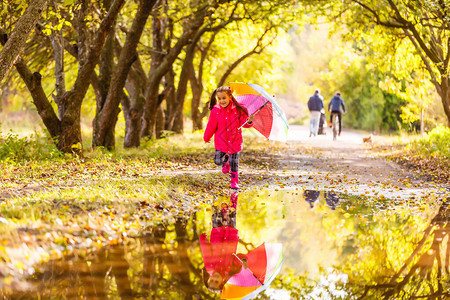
(218, 252)
(224, 121)
(219, 260)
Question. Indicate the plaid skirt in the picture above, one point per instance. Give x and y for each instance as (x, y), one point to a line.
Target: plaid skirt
(233, 159)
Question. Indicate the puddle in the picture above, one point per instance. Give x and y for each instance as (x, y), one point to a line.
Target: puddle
(334, 246)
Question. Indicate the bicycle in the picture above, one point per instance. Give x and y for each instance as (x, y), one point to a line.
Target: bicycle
(335, 118)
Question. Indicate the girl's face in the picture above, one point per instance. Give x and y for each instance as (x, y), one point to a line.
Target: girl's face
(215, 280)
(223, 98)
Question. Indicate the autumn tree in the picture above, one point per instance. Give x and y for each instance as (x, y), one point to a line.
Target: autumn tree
(160, 65)
(424, 25)
(256, 29)
(13, 45)
(64, 126)
(110, 98)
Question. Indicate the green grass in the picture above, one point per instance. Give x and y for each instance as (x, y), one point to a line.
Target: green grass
(436, 143)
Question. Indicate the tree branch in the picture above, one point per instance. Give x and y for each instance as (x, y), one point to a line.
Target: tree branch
(434, 79)
(13, 47)
(40, 100)
(255, 50)
(86, 68)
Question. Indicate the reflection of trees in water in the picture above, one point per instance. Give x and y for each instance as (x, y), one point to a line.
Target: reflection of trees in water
(163, 264)
(425, 273)
(166, 264)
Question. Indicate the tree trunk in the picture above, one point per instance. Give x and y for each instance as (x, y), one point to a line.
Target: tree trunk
(156, 73)
(175, 114)
(133, 106)
(67, 129)
(70, 140)
(446, 98)
(150, 108)
(106, 68)
(151, 103)
(197, 90)
(175, 120)
(171, 97)
(107, 116)
(160, 122)
(14, 46)
(178, 122)
(40, 100)
(133, 121)
(197, 86)
(57, 41)
(444, 92)
(33, 83)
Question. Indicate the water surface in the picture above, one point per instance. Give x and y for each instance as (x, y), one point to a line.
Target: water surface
(335, 246)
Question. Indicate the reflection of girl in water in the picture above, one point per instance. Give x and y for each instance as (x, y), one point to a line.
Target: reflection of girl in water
(225, 215)
(220, 263)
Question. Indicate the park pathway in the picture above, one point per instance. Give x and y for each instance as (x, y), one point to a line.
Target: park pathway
(349, 165)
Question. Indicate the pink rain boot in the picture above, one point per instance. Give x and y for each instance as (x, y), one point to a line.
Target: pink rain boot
(234, 199)
(226, 165)
(226, 168)
(234, 180)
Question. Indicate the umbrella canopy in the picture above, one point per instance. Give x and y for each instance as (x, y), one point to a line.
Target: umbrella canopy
(270, 119)
(264, 263)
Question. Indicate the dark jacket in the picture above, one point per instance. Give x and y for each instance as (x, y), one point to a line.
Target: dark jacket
(335, 104)
(315, 102)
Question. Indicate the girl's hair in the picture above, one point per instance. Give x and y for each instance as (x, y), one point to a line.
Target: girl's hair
(227, 90)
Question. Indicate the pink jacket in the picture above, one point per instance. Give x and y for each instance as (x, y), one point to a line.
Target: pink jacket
(223, 123)
(218, 254)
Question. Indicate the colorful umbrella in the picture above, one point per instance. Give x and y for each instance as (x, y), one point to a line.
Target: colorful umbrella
(270, 119)
(264, 263)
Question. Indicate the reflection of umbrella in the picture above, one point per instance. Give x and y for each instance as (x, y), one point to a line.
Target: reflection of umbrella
(270, 119)
(264, 263)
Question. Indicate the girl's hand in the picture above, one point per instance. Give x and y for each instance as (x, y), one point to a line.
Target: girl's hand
(244, 264)
(250, 118)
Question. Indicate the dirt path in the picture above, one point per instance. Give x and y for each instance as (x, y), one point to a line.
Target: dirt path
(348, 165)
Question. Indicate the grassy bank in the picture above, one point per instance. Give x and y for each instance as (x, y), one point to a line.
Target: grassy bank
(429, 155)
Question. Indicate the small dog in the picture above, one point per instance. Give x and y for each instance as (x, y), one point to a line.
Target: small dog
(367, 139)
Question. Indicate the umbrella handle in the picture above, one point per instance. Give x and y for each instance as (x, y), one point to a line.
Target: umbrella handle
(248, 268)
(243, 124)
(254, 114)
(246, 121)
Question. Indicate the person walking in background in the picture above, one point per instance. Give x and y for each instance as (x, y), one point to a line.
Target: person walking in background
(335, 105)
(225, 120)
(315, 104)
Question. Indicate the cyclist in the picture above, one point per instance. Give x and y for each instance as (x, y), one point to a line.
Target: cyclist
(335, 107)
